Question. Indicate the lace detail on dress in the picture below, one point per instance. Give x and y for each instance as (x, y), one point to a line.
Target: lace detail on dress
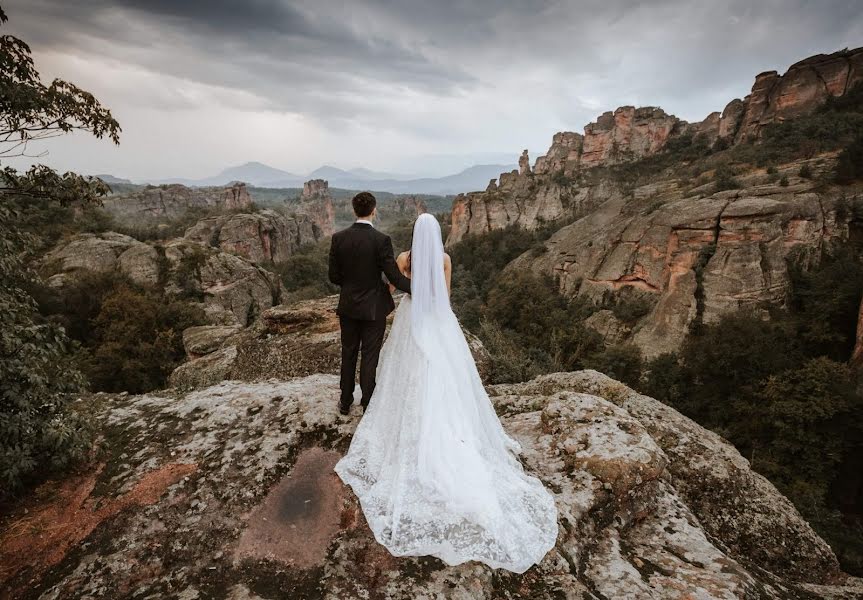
(434, 470)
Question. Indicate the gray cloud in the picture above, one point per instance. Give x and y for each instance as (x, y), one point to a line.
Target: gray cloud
(482, 74)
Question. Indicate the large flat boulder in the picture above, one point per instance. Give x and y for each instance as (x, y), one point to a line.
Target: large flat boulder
(228, 491)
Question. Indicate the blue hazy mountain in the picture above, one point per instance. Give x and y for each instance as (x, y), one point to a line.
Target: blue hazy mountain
(260, 175)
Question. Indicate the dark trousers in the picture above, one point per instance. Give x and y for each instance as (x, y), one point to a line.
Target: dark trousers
(365, 336)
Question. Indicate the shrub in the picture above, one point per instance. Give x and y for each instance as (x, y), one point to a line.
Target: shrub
(38, 431)
(530, 306)
(725, 179)
(805, 172)
(621, 361)
(305, 274)
(783, 181)
(512, 361)
(849, 166)
(629, 305)
(130, 337)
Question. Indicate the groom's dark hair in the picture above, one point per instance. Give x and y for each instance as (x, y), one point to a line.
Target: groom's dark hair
(364, 203)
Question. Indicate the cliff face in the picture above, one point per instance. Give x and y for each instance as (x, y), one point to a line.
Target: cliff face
(694, 259)
(228, 491)
(263, 237)
(631, 133)
(805, 86)
(689, 253)
(317, 203)
(171, 201)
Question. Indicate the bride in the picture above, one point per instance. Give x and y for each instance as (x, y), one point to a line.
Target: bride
(433, 469)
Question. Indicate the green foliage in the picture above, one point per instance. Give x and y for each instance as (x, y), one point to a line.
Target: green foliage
(824, 304)
(725, 179)
(620, 361)
(780, 391)
(130, 337)
(530, 306)
(31, 110)
(805, 172)
(563, 180)
(512, 361)
(783, 181)
(38, 432)
(629, 305)
(305, 274)
(849, 166)
(46, 202)
(477, 261)
(809, 419)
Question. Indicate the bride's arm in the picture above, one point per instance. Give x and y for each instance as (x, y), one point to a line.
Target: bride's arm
(402, 263)
(447, 271)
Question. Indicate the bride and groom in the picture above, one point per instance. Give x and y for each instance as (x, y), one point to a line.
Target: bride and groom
(434, 471)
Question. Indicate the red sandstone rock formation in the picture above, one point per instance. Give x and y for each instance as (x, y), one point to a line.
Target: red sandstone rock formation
(316, 188)
(631, 133)
(318, 204)
(408, 206)
(172, 201)
(805, 86)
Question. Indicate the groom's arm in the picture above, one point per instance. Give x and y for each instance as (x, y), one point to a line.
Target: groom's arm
(387, 264)
(335, 270)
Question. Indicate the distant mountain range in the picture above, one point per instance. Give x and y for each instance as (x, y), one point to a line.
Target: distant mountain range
(261, 175)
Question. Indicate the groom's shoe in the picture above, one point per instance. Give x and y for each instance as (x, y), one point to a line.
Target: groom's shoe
(344, 409)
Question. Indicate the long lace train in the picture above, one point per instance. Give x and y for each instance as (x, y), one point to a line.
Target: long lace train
(433, 469)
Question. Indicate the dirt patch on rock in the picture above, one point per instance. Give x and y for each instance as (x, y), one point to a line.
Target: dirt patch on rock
(300, 516)
(65, 512)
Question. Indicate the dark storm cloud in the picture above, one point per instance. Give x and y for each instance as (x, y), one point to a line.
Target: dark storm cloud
(266, 47)
(506, 72)
(330, 59)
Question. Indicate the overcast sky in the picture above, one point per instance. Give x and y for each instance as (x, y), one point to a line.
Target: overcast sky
(413, 86)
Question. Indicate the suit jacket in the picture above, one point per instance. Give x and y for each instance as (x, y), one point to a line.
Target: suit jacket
(358, 257)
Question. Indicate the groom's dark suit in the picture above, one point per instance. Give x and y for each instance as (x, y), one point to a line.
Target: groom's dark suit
(358, 257)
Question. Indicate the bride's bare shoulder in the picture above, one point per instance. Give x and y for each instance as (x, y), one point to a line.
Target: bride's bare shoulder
(402, 257)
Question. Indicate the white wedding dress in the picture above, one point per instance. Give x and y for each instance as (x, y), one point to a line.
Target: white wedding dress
(433, 469)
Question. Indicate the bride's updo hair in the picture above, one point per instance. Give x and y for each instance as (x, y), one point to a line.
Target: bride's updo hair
(364, 203)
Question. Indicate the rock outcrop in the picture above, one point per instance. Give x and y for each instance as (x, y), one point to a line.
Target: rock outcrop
(317, 203)
(315, 188)
(694, 258)
(229, 492)
(102, 253)
(518, 201)
(631, 133)
(231, 289)
(172, 201)
(405, 206)
(266, 236)
(287, 341)
(805, 86)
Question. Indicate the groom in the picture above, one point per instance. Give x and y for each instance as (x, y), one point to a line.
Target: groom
(358, 257)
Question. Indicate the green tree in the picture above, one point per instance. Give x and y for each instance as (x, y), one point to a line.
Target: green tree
(31, 110)
(620, 361)
(810, 420)
(38, 431)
